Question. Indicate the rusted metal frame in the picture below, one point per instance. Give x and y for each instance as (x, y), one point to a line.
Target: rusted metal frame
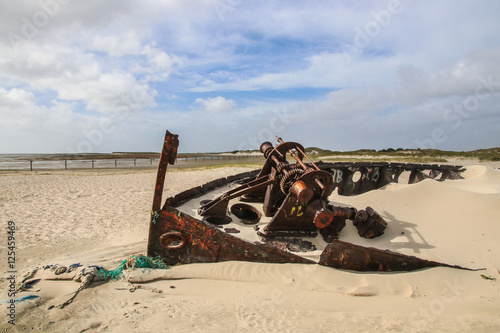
(276, 164)
(218, 206)
(296, 217)
(388, 172)
(283, 148)
(307, 157)
(373, 178)
(270, 153)
(180, 238)
(184, 196)
(369, 223)
(416, 176)
(331, 230)
(168, 156)
(295, 157)
(338, 176)
(272, 197)
(291, 219)
(450, 174)
(350, 187)
(184, 240)
(198, 191)
(365, 183)
(312, 178)
(199, 242)
(349, 256)
(247, 188)
(301, 163)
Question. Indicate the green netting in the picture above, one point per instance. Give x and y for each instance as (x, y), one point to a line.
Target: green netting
(134, 261)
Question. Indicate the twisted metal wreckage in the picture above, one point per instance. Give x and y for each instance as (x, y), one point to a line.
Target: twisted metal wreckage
(294, 198)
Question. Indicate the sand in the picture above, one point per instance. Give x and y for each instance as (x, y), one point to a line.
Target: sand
(101, 217)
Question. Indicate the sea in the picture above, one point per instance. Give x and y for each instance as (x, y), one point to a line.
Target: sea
(33, 162)
(63, 161)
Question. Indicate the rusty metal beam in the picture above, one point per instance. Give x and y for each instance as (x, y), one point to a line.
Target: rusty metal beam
(348, 256)
(168, 156)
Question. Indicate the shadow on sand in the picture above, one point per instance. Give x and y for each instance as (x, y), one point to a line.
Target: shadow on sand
(403, 235)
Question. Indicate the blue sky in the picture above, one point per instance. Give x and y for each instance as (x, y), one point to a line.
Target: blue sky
(103, 76)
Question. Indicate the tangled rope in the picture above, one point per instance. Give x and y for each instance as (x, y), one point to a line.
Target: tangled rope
(134, 261)
(87, 275)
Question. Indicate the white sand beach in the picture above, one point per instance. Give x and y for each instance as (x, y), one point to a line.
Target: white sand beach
(102, 216)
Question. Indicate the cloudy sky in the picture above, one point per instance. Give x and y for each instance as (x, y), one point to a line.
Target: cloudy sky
(104, 76)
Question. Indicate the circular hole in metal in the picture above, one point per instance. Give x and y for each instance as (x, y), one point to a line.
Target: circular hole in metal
(356, 176)
(204, 202)
(172, 240)
(218, 220)
(247, 213)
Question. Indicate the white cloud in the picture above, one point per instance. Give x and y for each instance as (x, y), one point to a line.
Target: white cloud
(158, 66)
(15, 98)
(27, 126)
(460, 77)
(77, 76)
(90, 62)
(217, 104)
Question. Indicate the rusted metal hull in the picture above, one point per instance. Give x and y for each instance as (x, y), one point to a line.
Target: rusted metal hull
(179, 238)
(202, 242)
(374, 175)
(342, 181)
(353, 257)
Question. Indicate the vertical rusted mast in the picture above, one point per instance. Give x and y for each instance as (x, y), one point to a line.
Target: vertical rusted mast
(168, 156)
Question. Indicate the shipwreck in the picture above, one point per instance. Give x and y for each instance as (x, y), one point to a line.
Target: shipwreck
(281, 213)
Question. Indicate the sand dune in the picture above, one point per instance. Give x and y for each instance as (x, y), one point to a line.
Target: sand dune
(102, 217)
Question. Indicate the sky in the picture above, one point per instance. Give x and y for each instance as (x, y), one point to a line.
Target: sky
(107, 76)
